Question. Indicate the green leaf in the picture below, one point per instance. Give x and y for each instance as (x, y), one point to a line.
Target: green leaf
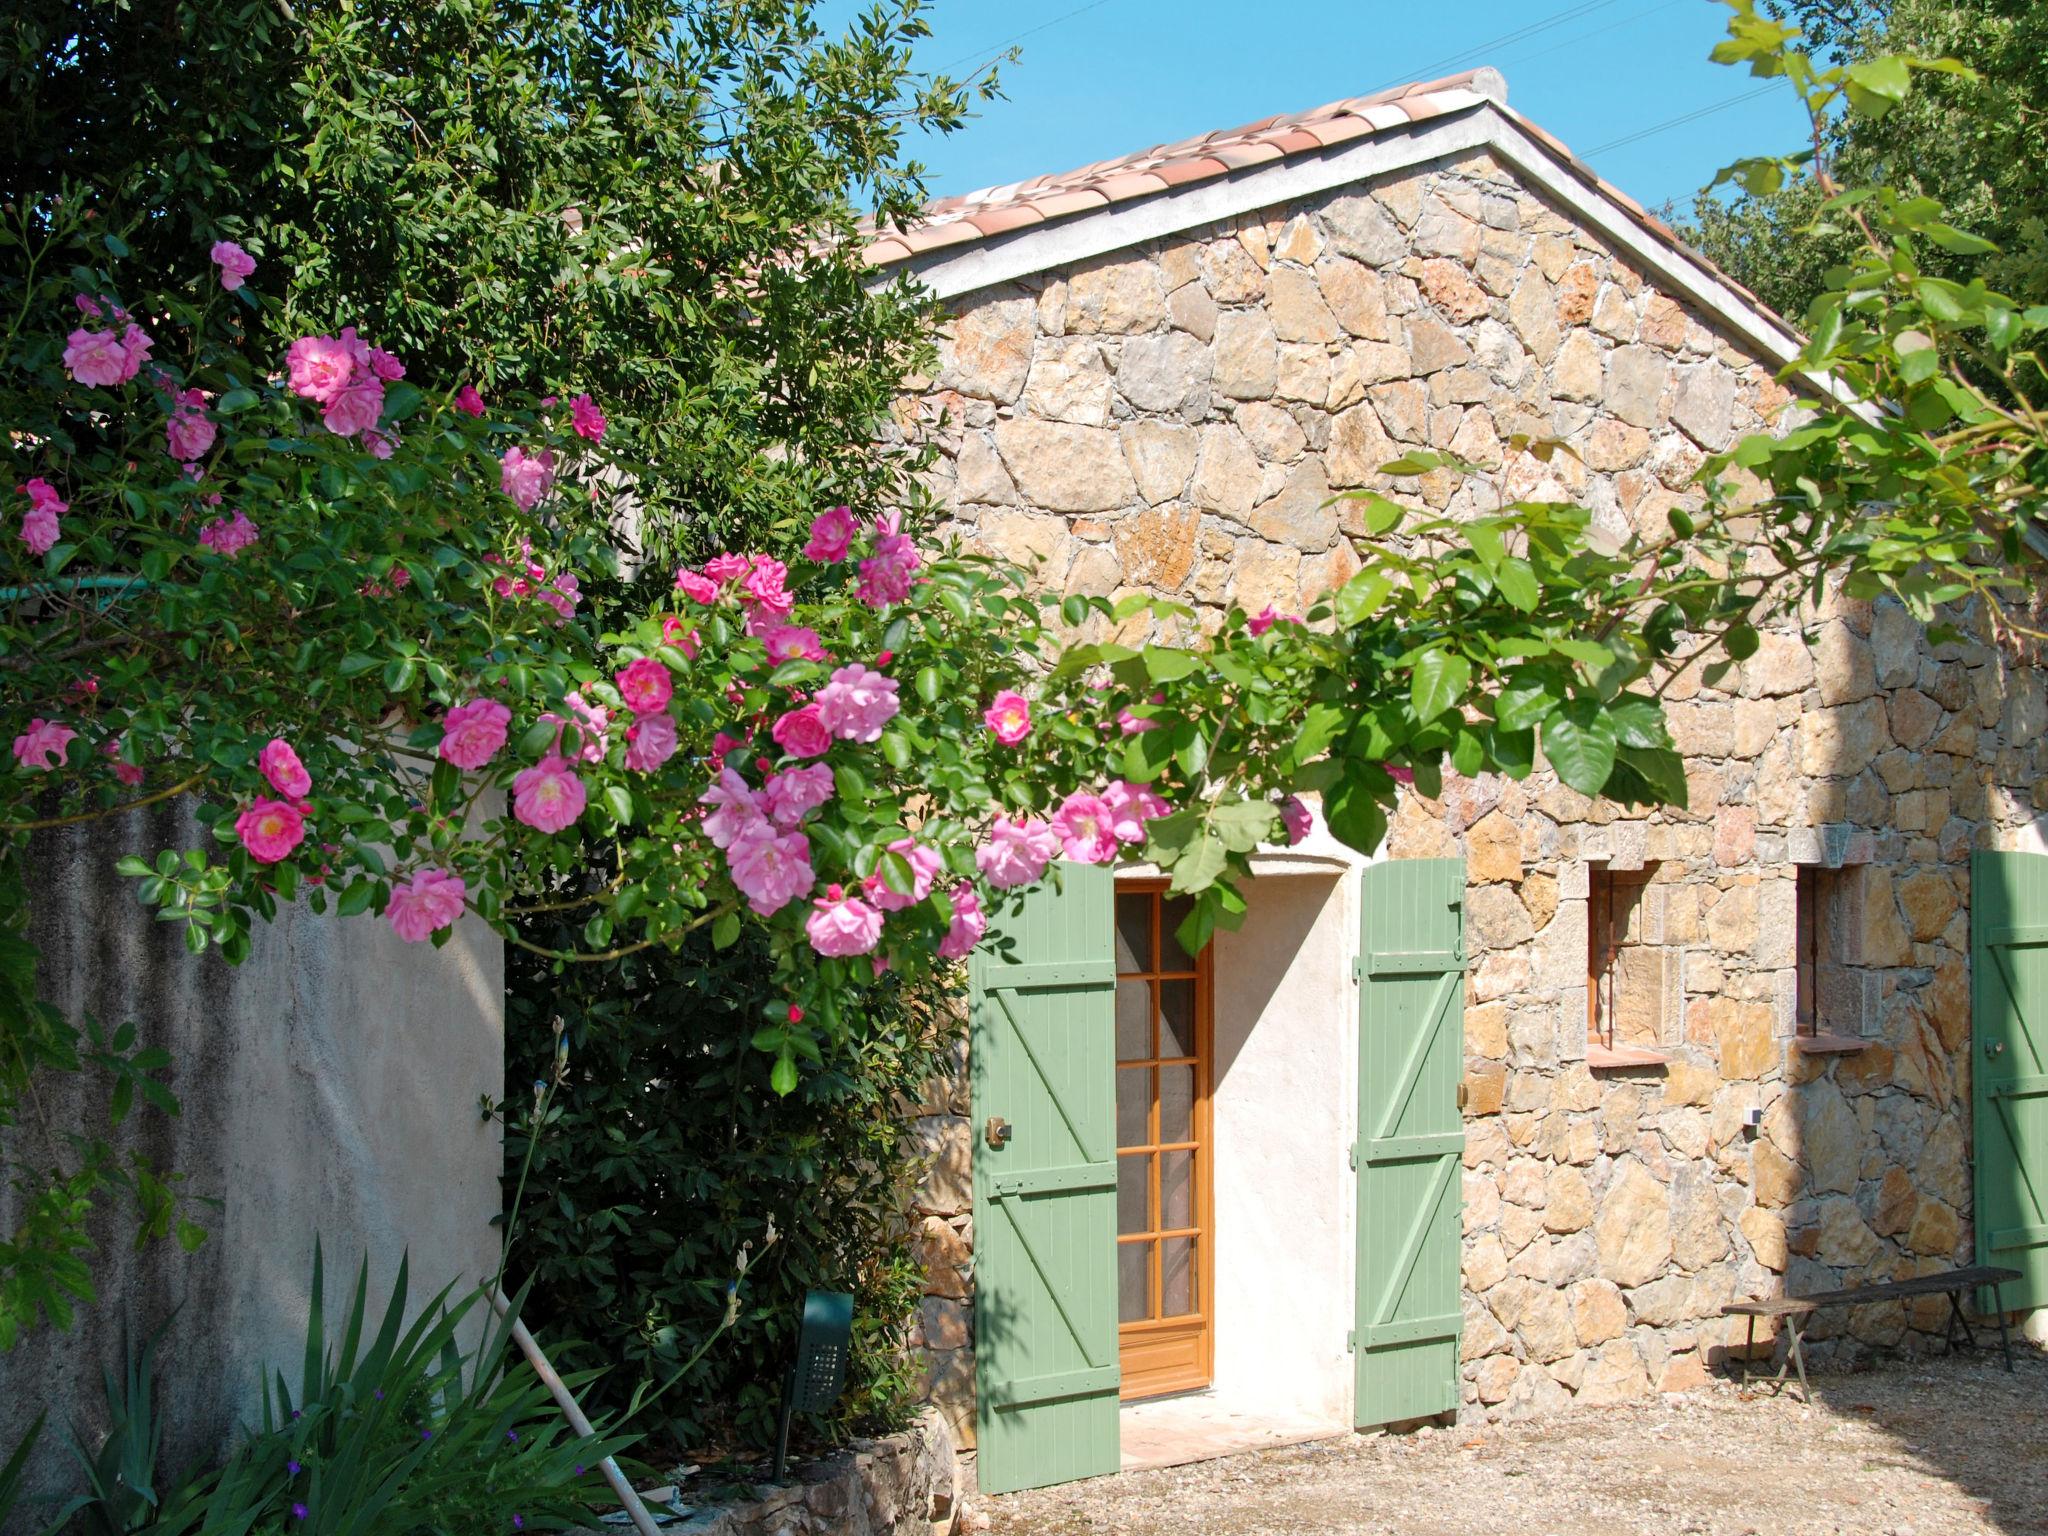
(1439, 681)
(1638, 721)
(537, 738)
(928, 684)
(190, 1235)
(356, 899)
(233, 401)
(897, 751)
(725, 930)
(1354, 814)
(783, 1078)
(1199, 865)
(619, 801)
(1242, 825)
(1877, 85)
(1360, 597)
(1516, 579)
(1579, 743)
(1164, 664)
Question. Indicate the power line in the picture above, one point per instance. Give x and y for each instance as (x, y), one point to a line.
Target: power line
(1520, 34)
(1679, 121)
(1579, 37)
(993, 49)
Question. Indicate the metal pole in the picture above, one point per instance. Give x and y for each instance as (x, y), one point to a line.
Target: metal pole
(566, 1401)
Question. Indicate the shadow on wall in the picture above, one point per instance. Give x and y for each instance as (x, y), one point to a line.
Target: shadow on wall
(330, 1086)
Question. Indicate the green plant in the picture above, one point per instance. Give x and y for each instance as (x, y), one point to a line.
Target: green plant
(120, 1494)
(667, 1150)
(15, 1468)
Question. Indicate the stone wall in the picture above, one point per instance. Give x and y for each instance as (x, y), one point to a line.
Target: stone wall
(905, 1484)
(1174, 418)
(330, 1087)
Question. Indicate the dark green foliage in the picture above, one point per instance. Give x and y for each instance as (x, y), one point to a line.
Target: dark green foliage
(668, 1151)
(392, 1432)
(1973, 145)
(648, 199)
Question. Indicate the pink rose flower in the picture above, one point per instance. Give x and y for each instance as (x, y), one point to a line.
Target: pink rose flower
(650, 742)
(674, 632)
(721, 569)
(794, 793)
(587, 419)
(236, 264)
(925, 867)
(104, 358)
(39, 528)
(1009, 716)
(386, 365)
(526, 478)
(270, 830)
(468, 401)
(1016, 852)
(734, 810)
(592, 721)
(698, 589)
(281, 766)
(424, 905)
(355, 407)
(763, 585)
(1083, 825)
(43, 497)
(1130, 806)
(885, 576)
(802, 732)
(228, 538)
(968, 925)
(841, 925)
(319, 368)
(547, 796)
(793, 642)
(831, 536)
(771, 869)
(1296, 818)
(721, 744)
(382, 444)
(645, 686)
(130, 774)
(473, 733)
(43, 745)
(189, 432)
(857, 703)
(1266, 618)
(1134, 725)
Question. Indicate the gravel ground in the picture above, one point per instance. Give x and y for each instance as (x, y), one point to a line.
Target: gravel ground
(1914, 1448)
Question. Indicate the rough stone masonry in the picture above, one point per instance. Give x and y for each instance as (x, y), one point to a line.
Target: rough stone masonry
(1175, 417)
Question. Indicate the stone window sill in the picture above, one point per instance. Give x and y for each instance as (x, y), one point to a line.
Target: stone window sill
(1612, 1057)
(1830, 1045)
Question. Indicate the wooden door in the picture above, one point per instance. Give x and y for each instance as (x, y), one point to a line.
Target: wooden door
(1165, 1227)
(2009, 1077)
(1411, 1139)
(1041, 993)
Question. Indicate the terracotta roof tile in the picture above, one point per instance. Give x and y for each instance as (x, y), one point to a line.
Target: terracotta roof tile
(995, 211)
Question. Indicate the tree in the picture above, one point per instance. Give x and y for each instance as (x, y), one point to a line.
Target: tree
(649, 200)
(1969, 141)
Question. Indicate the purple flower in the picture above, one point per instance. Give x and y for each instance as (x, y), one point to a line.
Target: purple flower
(579, 1469)
(512, 1435)
(299, 1511)
(426, 1434)
(291, 1468)
(519, 1522)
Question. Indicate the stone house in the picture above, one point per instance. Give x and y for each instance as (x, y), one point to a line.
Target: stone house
(1703, 1055)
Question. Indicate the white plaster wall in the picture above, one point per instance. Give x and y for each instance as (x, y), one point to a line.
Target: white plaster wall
(1285, 1104)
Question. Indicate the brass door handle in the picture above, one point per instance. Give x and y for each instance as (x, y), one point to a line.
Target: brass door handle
(999, 1130)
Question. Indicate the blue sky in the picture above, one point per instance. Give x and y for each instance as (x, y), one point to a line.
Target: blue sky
(1108, 77)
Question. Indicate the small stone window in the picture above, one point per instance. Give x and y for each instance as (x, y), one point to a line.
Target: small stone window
(1627, 984)
(1828, 996)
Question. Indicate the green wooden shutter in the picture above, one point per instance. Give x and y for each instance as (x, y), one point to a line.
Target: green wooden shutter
(1043, 991)
(2009, 1092)
(1411, 1138)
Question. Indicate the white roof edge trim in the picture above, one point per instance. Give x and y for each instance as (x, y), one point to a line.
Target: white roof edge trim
(1079, 238)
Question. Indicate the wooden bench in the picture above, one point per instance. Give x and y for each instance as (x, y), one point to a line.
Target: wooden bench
(1797, 1311)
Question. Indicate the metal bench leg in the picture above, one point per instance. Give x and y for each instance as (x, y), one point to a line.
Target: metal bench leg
(1957, 1329)
(1795, 1358)
(2004, 1342)
(1749, 1349)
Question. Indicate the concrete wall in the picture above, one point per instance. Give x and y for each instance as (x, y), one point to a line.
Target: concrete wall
(330, 1086)
(1284, 1113)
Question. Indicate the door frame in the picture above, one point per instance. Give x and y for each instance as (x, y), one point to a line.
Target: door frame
(1139, 1383)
